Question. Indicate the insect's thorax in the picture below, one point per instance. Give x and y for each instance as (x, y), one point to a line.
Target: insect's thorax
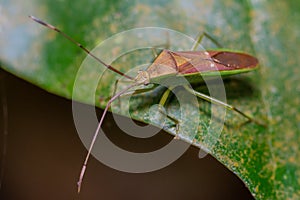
(164, 64)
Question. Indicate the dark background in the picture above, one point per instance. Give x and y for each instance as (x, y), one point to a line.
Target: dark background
(44, 156)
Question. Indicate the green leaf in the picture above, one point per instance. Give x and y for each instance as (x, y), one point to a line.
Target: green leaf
(266, 159)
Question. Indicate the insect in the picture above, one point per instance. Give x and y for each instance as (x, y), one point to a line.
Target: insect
(183, 63)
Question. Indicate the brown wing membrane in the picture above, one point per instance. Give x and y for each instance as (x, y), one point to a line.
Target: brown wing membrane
(234, 59)
(215, 61)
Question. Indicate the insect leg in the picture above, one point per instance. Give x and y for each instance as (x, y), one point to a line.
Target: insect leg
(221, 103)
(200, 37)
(162, 46)
(139, 91)
(129, 92)
(114, 91)
(162, 102)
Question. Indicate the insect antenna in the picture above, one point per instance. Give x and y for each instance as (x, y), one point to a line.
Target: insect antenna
(79, 183)
(79, 45)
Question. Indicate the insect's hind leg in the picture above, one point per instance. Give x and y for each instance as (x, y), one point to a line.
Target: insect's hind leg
(221, 103)
(208, 36)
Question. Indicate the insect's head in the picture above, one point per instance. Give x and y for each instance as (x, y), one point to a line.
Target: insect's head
(143, 77)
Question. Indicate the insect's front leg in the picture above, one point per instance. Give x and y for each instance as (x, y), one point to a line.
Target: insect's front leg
(105, 99)
(115, 91)
(139, 91)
